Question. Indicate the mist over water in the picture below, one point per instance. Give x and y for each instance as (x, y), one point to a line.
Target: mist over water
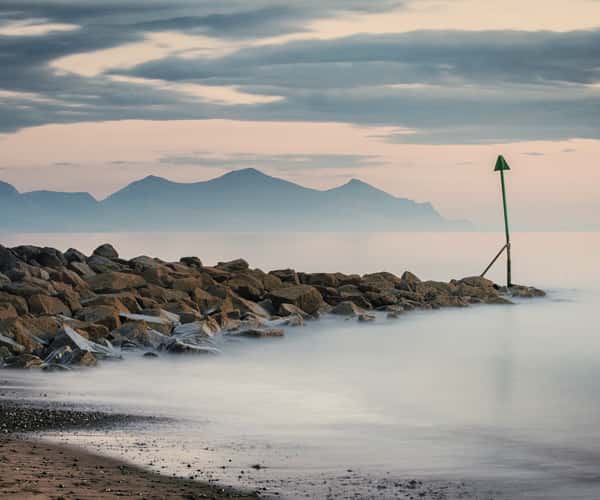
(500, 393)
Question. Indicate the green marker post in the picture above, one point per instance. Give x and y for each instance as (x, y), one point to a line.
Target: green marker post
(501, 166)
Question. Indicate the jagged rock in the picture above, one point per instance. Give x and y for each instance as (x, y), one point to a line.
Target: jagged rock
(378, 282)
(321, 279)
(258, 332)
(286, 276)
(204, 300)
(8, 260)
(68, 336)
(45, 305)
(158, 276)
(139, 334)
(82, 269)
(106, 250)
(246, 307)
(305, 297)
(233, 266)
(290, 310)
(114, 282)
(191, 262)
(25, 361)
(17, 302)
(525, 291)
(381, 299)
(159, 319)
(366, 318)
(246, 286)
(7, 311)
(347, 308)
(144, 262)
(101, 264)
(186, 284)
(19, 330)
(107, 300)
(106, 315)
(50, 257)
(23, 289)
(4, 280)
(73, 255)
(12, 346)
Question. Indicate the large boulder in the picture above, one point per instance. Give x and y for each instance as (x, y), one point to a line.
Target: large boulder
(321, 279)
(73, 255)
(101, 314)
(82, 269)
(191, 262)
(233, 266)
(7, 311)
(107, 251)
(51, 257)
(305, 297)
(114, 282)
(8, 259)
(101, 264)
(47, 306)
(286, 276)
(19, 303)
(347, 308)
(246, 286)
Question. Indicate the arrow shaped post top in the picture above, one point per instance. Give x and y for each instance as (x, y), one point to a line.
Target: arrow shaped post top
(501, 164)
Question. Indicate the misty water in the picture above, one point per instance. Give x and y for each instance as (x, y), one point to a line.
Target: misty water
(505, 397)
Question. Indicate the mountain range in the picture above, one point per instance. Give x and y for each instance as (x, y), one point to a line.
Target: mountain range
(241, 200)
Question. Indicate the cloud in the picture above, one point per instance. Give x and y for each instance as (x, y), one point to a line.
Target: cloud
(533, 153)
(282, 162)
(447, 86)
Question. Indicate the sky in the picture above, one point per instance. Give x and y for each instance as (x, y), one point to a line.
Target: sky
(416, 97)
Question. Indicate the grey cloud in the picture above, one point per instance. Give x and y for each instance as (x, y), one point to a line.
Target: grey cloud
(449, 86)
(284, 162)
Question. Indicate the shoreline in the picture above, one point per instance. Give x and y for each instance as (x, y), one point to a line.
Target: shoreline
(33, 468)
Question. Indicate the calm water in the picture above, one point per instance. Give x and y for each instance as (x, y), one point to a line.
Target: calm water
(499, 395)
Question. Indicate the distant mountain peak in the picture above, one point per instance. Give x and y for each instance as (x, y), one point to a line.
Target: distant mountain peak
(7, 189)
(245, 173)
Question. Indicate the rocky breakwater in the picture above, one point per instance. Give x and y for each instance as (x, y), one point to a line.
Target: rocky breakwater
(59, 310)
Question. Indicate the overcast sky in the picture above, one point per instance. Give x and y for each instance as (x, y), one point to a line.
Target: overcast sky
(416, 97)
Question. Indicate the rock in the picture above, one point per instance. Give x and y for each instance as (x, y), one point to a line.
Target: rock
(45, 305)
(7, 311)
(205, 302)
(347, 308)
(378, 282)
(233, 266)
(73, 255)
(19, 303)
(138, 333)
(144, 262)
(101, 314)
(290, 310)
(24, 361)
(82, 269)
(408, 282)
(50, 257)
(267, 305)
(366, 318)
(186, 284)
(101, 264)
(381, 299)
(248, 307)
(258, 332)
(191, 262)
(107, 300)
(525, 291)
(159, 276)
(305, 297)
(246, 286)
(160, 320)
(84, 358)
(114, 282)
(13, 347)
(20, 331)
(4, 280)
(68, 336)
(150, 354)
(107, 251)
(204, 329)
(286, 276)
(8, 260)
(322, 279)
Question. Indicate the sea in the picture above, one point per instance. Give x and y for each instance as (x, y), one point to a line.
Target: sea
(489, 401)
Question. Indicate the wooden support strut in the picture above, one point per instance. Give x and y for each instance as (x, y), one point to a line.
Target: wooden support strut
(505, 247)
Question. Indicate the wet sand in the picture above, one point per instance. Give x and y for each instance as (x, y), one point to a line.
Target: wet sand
(33, 469)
